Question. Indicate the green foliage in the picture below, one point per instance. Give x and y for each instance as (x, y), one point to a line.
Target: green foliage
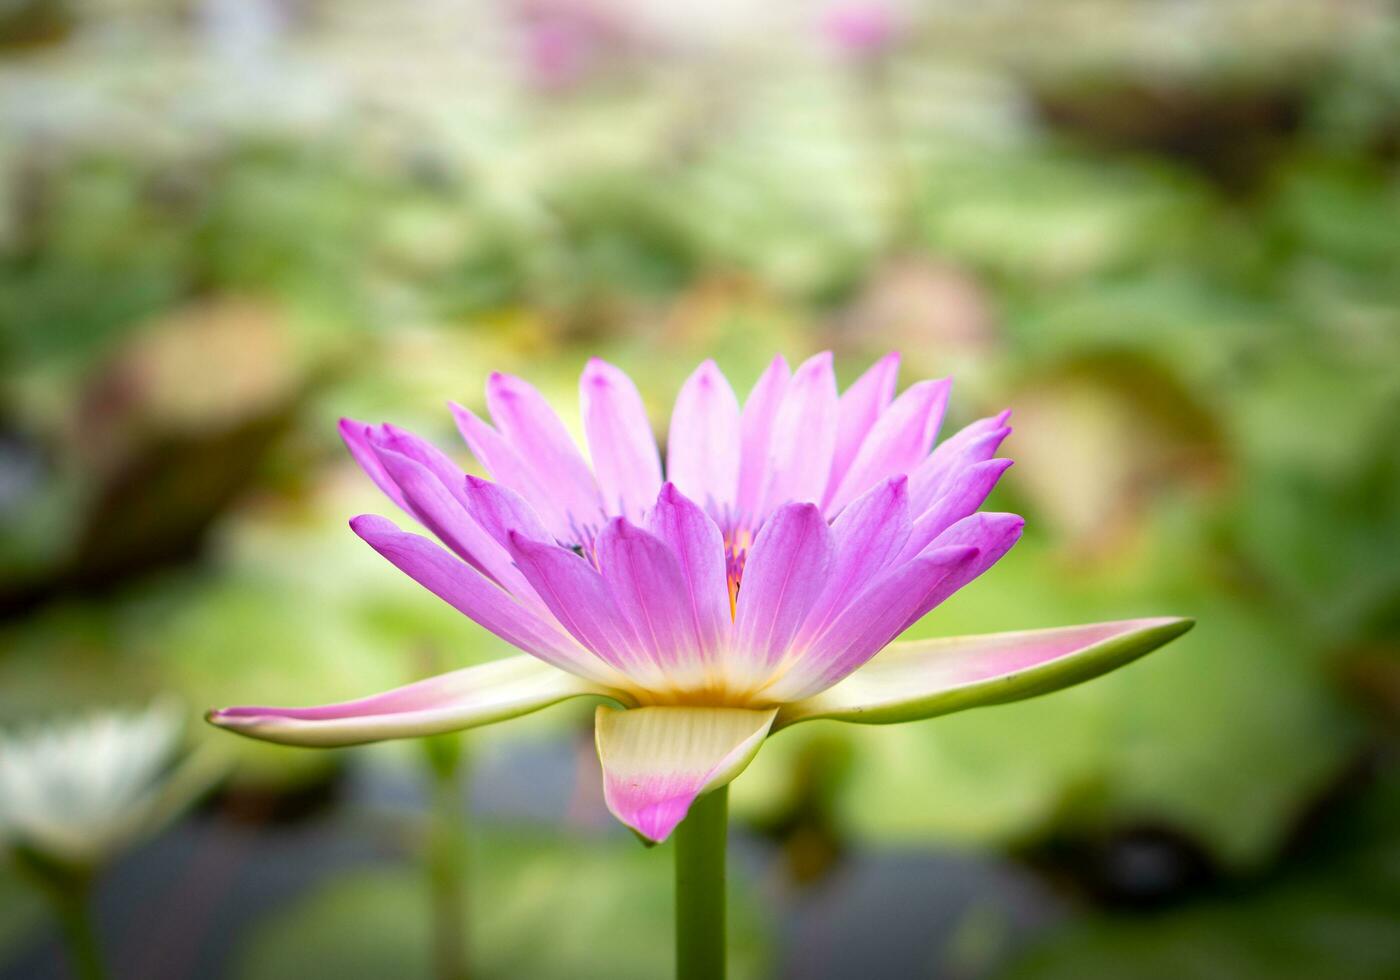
(538, 907)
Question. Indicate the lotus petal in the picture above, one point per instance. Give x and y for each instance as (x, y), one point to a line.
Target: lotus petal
(656, 761)
(923, 678)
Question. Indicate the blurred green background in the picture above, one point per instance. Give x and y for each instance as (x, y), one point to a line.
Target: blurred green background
(1165, 232)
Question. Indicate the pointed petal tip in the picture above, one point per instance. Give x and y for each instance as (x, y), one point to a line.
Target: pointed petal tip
(923, 678)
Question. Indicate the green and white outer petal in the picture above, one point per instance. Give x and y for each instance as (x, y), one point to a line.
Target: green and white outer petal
(450, 702)
(923, 678)
(657, 761)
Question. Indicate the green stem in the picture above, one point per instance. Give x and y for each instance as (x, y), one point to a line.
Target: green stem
(700, 845)
(447, 858)
(71, 904)
(68, 888)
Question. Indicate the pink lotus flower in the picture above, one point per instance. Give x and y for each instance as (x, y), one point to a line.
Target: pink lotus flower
(789, 541)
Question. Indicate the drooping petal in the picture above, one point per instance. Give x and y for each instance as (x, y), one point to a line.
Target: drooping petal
(804, 435)
(782, 579)
(967, 492)
(646, 582)
(924, 678)
(462, 699)
(756, 435)
(860, 405)
(875, 616)
(357, 439)
(577, 596)
(702, 450)
(443, 513)
(698, 545)
(620, 440)
(472, 595)
(865, 538)
(899, 440)
(540, 439)
(656, 761)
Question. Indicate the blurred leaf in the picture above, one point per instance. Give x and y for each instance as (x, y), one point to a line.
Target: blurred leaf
(1331, 915)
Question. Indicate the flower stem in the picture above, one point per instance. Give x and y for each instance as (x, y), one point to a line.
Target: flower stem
(447, 858)
(700, 846)
(75, 917)
(68, 888)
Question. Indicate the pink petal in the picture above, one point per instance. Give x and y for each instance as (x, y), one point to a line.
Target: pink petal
(646, 583)
(756, 431)
(992, 534)
(533, 429)
(577, 596)
(859, 407)
(875, 616)
(972, 444)
(782, 579)
(899, 440)
(508, 469)
(475, 597)
(804, 436)
(624, 452)
(702, 450)
(967, 491)
(437, 509)
(698, 545)
(357, 439)
(656, 761)
(924, 678)
(462, 699)
(499, 510)
(866, 537)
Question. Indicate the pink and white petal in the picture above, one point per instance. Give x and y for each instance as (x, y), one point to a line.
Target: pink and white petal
(804, 436)
(466, 698)
(866, 537)
(923, 678)
(992, 534)
(702, 449)
(578, 597)
(645, 581)
(875, 616)
(698, 545)
(508, 469)
(756, 435)
(899, 440)
(936, 474)
(783, 576)
(656, 761)
(860, 405)
(357, 437)
(966, 492)
(540, 439)
(620, 440)
(478, 599)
